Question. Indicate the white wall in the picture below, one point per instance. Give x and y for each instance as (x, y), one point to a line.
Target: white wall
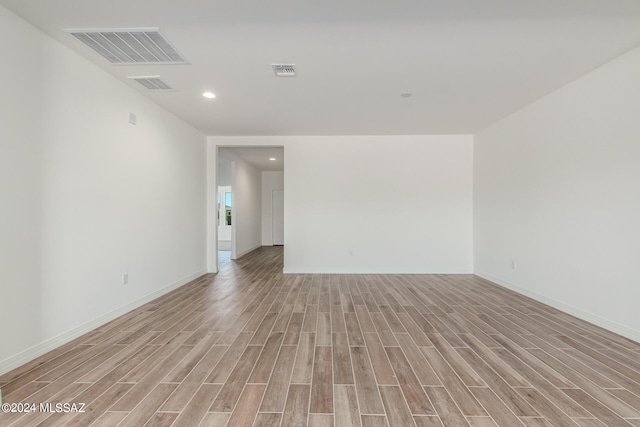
(342, 193)
(86, 197)
(21, 181)
(270, 181)
(225, 173)
(247, 195)
(557, 188)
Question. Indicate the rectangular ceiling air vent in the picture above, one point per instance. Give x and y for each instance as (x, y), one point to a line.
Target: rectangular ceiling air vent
(153, 83)
(130, 46)
(284, 70)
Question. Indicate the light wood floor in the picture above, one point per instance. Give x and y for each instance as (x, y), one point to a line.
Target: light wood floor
(251, 346)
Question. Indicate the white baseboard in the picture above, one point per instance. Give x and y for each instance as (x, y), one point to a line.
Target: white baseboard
(617, 328)
(38, 350)
(241, 254)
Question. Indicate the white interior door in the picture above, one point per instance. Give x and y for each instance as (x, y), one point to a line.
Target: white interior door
(277, 206)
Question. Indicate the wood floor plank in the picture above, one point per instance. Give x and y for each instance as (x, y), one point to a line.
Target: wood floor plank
(600, 411)
(262, 371)
(342, 370)
(310, 318)
(506, 372)
(142, 387)
(398, 413)
(495, 407)
(167, 354)
(321, 420)
(374, 421)
(276, 393)
(469, 376)
(186, 365)
(162, 419)
(338, 324)
(536, 422)
(542, 384)
(632, 400)
(223, 368)
(293, 330)
(498, 385)
(353, 329)
(231, 390)
(68, 394)
(185, 391)
(420, 365)
(198, 406)
(258, 347)
(244, 413)
(366, 385)
(481, 422)
(323, 336)
(215, 419)
(380, 362)
(303, 367)
(428, 421)
(384, 331)
(347, 412)
(268, 419)
(364, 319)
(296, 409)
(589, 422)
(24, 393)
(263, 331)
(445, 406)
(110, 419)
(466, 401)
(133, 348)
(545, 407)
(419, 337)
(564, 363)
(148, 406)
(322, 382)
(412, 390)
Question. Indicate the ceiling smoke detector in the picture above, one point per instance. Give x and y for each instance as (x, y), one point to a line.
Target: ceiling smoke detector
(284, 70)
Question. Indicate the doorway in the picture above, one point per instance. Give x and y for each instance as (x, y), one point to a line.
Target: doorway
(225, 218)
(250, 174)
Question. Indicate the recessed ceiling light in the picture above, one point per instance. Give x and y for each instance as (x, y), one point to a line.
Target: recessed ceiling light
(273, 159)
(209, 95)
(406, 95)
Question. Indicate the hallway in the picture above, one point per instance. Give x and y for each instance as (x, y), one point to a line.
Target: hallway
(251, 346)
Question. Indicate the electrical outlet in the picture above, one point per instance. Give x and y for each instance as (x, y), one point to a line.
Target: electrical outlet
(125, 278)
(513, 264)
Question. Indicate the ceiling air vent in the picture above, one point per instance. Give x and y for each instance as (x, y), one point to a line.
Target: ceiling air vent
(130, 46)
(153, 83)
(284, 70)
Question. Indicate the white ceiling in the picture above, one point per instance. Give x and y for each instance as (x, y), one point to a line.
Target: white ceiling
(257, 156)
(467, 63)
